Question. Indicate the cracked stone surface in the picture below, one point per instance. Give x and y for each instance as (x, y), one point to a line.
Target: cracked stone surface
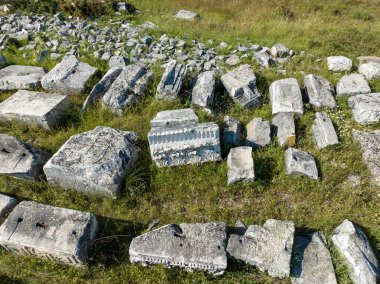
(169, 118)
(284, 129)
(319, 91)
(7, 203)
(204, 90)
(171, 81)
(365, 108)
(18, 77)
(353, 84)
(285, 96)
(258, 133)
(299, 162)
(240, 165)
(323, 131)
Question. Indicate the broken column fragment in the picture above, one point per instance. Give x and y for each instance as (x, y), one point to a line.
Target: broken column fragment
(241, 84)
(300, 163)
(7, 203)
(54, 233)
(194, 246)
(353, 244)
(285, 96)
(313, 264)
(323, 131)
(204, 90)
(17, 77)
(127, 89)
(284, 129)
(35, 108)
(231, 131)
(177, 139)
(353, 84)
(20, 160)
(171, 81)
(319, 91)
(269, 247)
(240, 165)
(365, 108)
(258, 133)
(69, 77)
(95, 161)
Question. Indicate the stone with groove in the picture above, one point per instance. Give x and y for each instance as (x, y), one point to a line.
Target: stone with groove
(171, 81)
(319, 91)
(285, 96)
(302, 163)
(365, 108)
(17, 77)
(240, 165)
(323, 131)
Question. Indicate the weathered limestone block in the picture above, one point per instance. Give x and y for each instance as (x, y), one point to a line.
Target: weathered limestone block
(20, 160)
(34, 108)
(194, 246)
(320, 91)
(177, 117)
(269, 247)
(323, 131)
(300, 163)
(102, 87)
(231, 131)
(17, 77)
(127, 89)
(95, 161)
(353, 244)
(171, 82)
(284, 129)
(54, 233)
(367, 59)
(313, 264)
(339, 63)
(370, 144)
(279, 50)
(7, 203)
(240, 165)
(353, 84)
(69, 77)
(186, 15)
(258, 133)
(204, 90)
(370, 70)
(285, 96)
(365, 108)
(241, 84)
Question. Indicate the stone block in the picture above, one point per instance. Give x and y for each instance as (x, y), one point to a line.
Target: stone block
(18, 77)
(370, 70)
(323, 131)
(186, 15)
(285, 129)
(353, 84)
(171, 81)
(35, 108)
(240, 165)
(365, 108)
(300, 163)
(172, 118)
(231, 131)
(320, 91)
(285, 96)
(339, 63)
(204, 90)
(7, 203)
(279, 50)
(258, 133)
(367, 59)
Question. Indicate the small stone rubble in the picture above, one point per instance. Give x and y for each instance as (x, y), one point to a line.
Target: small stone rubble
(300, 163)
(171, 82)
(7, 203)
(319, 91)
(258, 133)
(17, 77)
(50, 232)
(284, 129)
(285, 96)
(365, 108)
(323, 131)
(240, 165)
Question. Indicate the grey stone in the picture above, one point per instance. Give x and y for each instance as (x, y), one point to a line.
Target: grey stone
(241, 85)
(35, 108)
(258, 133)
(69, 77)
(127, 89)
(172, 118)
(367, 59)
(263, 59)
(365, 108)
(353, 84)
(231, 131)
(95, 161)
(320, 91)
(353, 244)
(186, 15)
(171, 82)
(279, 50)
(284, 129)
(323, 131)
(269, 247)
(370, 70)
(17, 77)
(54, 233)
(7, 203)
(285, 96)
(204, 90)
(102, 87)
(339, 63)
(233, 60)
(117, 61)
(240, 165)
(300, 163)
(194, 246)
(370, 145)
(313, 264)
(21, 160)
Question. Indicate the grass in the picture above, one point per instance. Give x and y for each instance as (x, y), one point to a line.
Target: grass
(199, 193)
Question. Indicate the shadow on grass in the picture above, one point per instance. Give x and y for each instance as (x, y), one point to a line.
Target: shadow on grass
(264, 168)
(7, 280)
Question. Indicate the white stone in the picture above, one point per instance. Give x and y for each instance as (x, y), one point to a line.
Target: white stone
(284, 129)
(177, 117)
(186, 15)
(320, 91)
(353, 84)
(339, 63)
(367, 59)
(365, 108)
(370, 70)
(18, 77)
(171, 81)
(240, 165)
(231, 131)
(323, 131)
(7, 203)
(258, 133)
(279, 50)
(204, 90)
(300, 163)
(285, 96)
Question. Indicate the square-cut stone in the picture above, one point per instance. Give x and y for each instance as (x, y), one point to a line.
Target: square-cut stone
(55, 233)
(284, 129)
(300, 163)
(95, 161)
(169, 118)
(285, 96)
(231, 131)
(240, 165)
(320, 91)
(353, 84)
(323, 131)
(17, 77)
(7, 203)
(258, 133)
(365, 108)
(35, 108)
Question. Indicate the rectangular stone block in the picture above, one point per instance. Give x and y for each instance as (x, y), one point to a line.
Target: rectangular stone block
(285, 96)
(258, 133)
(284, 129)
(231, 131)
(240, 165)
(171, 81)
(323, 131)
(301, 163)
(35, 108)
(320, 91)
(365, 108)
(17, 77)
(169, 118)
(45, 231)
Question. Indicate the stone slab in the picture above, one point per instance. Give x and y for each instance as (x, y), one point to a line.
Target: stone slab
(353, 84)
(319, 91)
(171, 81)
(285, 129)
(365, 108)
(18, 77)
(300, 163)
(285, 96)
(45, 231)
(258, 133)
(339, 63)
(7, 203)
(173, 118)
(203, 93)
(96, 161)
(35, 108)
(240, 165)
(323, 131)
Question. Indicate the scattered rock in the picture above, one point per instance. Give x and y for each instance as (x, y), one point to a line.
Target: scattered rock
(313, 264)
(263, 59)
(300, 163)
(258, 133)
(17, 77)
(367, 59)
(6, 205)
(231, 131)
(186, 15)
(233, 60)
(284, 129)
(323, 131)
(352, 84)
(240, 165)
(191, 246)
(279, 50)
(171, 82)
(370, 70)
(339, 63)
(204, 90)
(172, 118)
(35, 108)
(95, 161)
(54, 233)
(269, 247)
(319, 91)
(365, 108)
(118, 61)
(353, 244)
(285, 96)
